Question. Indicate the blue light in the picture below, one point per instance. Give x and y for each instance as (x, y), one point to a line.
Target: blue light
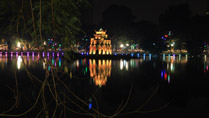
(150, 56)
(115, 54)
(126, 54)
(82, 53)
(87, 53)
(90, 106)
(162, 74)
(138, 55)
(132, 54)
(121, 54)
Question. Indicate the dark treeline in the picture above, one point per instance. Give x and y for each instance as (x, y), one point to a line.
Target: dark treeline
(188, 30)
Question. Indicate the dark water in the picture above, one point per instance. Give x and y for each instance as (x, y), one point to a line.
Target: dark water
(180, 84)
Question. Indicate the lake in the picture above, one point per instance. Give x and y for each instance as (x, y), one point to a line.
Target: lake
(169, 85)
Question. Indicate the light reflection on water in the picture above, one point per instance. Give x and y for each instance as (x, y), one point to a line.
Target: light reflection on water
(29, 61)
(100, 70)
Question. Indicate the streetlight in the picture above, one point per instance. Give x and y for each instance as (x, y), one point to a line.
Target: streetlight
(44, 42)
(127, 44)
(121, 45)
(18, 44)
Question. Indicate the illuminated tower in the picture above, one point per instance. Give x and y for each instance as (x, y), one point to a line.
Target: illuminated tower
(100, 45)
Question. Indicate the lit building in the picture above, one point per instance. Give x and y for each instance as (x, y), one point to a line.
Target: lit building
(100, 45)
(3, 45)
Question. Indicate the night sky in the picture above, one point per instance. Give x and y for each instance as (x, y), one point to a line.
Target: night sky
(147, 9)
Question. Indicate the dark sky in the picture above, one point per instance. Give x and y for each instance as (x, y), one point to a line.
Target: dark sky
(147, 9)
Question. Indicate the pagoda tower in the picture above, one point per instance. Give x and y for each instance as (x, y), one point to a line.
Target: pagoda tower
(100, 45)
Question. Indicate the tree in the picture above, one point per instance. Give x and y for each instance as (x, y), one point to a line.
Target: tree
(119, 22)
(149, 37)
(58, 19)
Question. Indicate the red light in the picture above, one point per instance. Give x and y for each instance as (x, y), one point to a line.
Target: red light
(166, 36)
(165, 76)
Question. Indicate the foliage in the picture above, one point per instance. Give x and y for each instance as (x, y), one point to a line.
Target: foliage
(57, 19)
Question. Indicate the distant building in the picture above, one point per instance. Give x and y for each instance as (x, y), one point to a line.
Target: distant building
(100, 45)
(3, 45)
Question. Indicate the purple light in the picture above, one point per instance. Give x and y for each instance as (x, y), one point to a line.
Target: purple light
(16, 53)
(47, 53)
(58, 54)
(28, 54)
(62, 53)
(11, 53)
(82, 53)
(162, 74)
(43, 54)
(53, 54)
(6, 54)
(33, 54)
(21, 53)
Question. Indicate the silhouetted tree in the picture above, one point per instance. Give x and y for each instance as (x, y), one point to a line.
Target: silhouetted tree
(119, 22)
(149, 36)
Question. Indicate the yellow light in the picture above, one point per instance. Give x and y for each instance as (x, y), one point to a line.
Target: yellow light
(18, 44)
(44, 42)
(121, 64)
(121, 45)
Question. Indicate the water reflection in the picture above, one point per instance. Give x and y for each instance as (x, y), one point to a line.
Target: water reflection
(100, 70)
(19, 61)
(169, 66)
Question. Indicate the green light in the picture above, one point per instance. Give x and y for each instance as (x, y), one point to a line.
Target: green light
(169, 79)
(60, 45)
(52, 61)
(86, 69)
(60, 64)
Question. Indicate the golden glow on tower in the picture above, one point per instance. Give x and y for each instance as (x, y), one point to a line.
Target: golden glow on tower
(100, 44)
